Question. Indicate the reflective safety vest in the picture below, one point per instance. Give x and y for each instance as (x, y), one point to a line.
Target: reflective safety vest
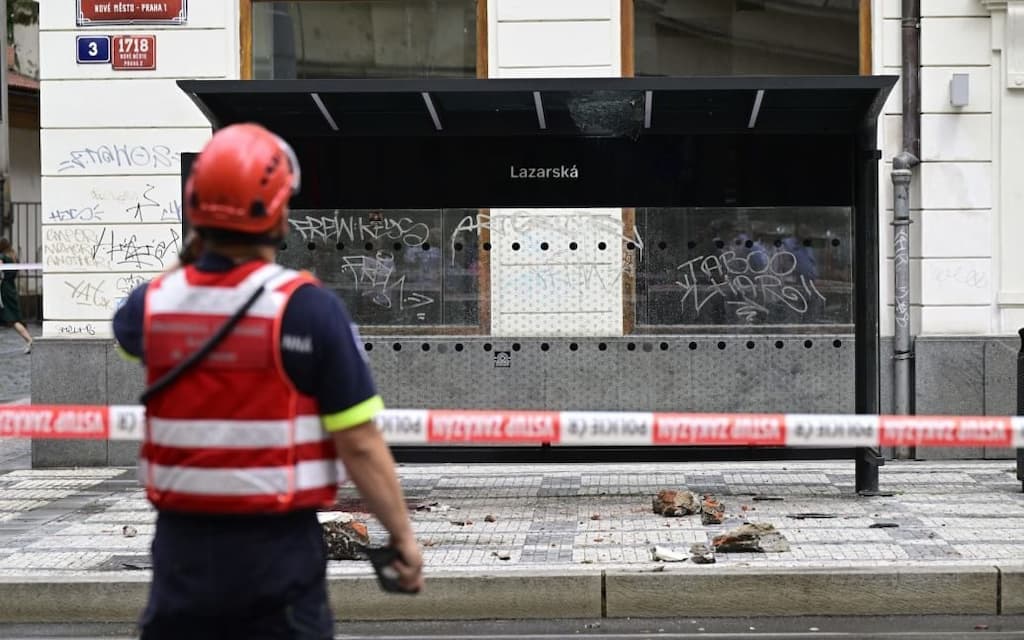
(232, 435)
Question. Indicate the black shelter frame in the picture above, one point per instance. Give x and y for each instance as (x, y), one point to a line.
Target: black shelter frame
(449, 143)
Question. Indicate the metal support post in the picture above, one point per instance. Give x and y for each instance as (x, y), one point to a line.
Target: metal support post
(1020, 404)
(6, 215)
(867, 460)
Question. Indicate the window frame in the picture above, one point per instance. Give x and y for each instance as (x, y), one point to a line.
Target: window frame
(245, 34)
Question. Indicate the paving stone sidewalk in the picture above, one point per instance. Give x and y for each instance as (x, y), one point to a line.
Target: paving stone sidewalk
(15, 387)
(559, 518)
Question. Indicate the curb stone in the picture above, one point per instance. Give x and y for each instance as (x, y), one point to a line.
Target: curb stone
(691, 591)
(800, 592)
(1011, 580)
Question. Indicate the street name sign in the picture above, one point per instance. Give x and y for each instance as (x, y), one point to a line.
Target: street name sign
(104, 12)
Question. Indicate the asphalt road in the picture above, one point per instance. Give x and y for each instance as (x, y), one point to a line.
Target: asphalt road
(803, 628)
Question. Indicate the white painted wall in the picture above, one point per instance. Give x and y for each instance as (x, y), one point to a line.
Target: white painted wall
(110, 146)
(558, 291)
(1006, 36)
(954, 249)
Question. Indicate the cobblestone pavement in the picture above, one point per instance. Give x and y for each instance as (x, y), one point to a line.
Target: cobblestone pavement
(15, 387)
(565, 517)
(16, 370)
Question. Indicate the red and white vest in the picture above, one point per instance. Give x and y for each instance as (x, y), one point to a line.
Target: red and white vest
(232, 435)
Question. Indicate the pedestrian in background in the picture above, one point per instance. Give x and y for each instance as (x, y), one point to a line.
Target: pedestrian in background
(10, 314)
(242, 448)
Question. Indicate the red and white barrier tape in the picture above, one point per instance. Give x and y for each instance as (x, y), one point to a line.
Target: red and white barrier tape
(578, 428)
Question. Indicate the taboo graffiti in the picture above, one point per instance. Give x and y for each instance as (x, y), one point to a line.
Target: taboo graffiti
(750, 284)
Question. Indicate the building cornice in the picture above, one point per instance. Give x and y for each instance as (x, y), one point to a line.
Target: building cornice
(1008, 36)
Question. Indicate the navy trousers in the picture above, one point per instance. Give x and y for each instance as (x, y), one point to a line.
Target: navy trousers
(227, 578)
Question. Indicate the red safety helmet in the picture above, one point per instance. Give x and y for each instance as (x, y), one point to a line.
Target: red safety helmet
(242, 181)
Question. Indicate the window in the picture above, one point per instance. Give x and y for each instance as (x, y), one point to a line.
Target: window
(364, 39)
(747, 37)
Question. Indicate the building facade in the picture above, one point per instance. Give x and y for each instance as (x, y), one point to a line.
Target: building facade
(718, 301)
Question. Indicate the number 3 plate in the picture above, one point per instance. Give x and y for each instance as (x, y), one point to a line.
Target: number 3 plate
(93, 49)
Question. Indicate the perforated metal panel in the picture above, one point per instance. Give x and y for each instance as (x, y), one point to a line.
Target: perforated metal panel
(649, 373)
(578, 375)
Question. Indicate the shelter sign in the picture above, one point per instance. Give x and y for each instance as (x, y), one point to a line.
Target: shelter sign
(105, 12)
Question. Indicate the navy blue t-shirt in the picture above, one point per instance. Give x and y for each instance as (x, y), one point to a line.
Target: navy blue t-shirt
(320, 346)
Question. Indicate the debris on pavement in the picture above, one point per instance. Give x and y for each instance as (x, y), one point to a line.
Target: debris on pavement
(433, 506)
(502, 555)
(129, 531)
(461, 523)
(664, 554)
(811, 516)
(134, 566)
(596, 516)
(344, 535)
(711, 510)
(334, 516)
(768, 498)
(701, 553)
(752, 537)
(883, 525)
(675, 504)
(490, 518)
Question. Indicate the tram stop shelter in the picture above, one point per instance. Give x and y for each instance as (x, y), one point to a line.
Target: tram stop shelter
(657, 147)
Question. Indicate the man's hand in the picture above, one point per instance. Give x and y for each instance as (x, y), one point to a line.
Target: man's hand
(410, 564)
(371, 468)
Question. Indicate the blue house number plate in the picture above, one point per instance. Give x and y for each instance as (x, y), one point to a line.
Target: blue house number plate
(93, 49)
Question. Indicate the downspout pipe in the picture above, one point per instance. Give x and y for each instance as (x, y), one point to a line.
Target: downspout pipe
(902, 176)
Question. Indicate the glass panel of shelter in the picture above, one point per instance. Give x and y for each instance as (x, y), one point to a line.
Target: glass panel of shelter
(685, 270)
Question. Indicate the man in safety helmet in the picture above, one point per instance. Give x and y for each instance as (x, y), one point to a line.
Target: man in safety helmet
(243, 438)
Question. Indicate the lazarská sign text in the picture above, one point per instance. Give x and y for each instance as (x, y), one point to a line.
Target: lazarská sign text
(102, 12)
